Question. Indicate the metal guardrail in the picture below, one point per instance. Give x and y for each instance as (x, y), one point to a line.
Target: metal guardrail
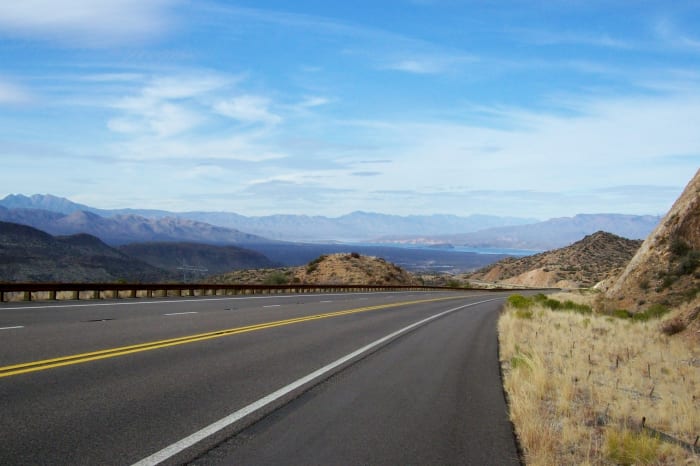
(78, 291)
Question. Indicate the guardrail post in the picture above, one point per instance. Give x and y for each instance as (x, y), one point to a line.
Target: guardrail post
(27, 295)
(52, 295)
(96, 294)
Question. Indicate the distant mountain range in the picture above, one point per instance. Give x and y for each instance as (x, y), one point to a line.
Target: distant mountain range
(283, 234)
(354, 227)
(123, 229)
(542, 236)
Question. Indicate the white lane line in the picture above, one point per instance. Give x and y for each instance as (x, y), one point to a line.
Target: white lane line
(186, 300)
(325, 301)
(180, 313)
(273, 305)
(10, 328)
(211, 429)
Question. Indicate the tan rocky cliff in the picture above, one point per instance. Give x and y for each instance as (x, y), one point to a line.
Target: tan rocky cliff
(666, 269)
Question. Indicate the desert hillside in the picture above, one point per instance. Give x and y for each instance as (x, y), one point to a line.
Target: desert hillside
(31, 255)
(582, 264)
(665, 269)
(342, 268)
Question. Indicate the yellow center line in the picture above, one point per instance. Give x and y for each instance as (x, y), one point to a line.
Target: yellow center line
(80, 358)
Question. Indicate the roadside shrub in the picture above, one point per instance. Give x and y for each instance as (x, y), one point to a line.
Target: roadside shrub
(523, 313)
(673, 326)
(622, 314)
(276, 278)
(653, 312)
(520, 302)
(627, 448)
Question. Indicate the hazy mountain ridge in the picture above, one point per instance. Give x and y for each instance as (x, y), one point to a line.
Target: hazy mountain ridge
(122, 229)
(356, 226)
(582, 264)
(551, 234)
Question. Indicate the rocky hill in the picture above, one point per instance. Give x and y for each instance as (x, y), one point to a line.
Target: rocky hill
(666, 269)
(31, 255)
(342, 268)
(582, 264)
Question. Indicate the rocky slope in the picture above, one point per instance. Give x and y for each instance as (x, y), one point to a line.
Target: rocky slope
(582, 264)
(666, 269)
(342, 268)
(31, 255)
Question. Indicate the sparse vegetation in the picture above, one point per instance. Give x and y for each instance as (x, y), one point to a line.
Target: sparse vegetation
(579, 383)
(276, 277)
(582, 264)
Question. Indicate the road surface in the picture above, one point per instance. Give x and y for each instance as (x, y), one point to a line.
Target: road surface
(371, 378)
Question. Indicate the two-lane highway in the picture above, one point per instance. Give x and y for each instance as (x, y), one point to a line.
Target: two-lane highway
(380, 378)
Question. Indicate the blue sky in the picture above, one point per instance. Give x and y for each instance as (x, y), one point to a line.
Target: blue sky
(526, 108)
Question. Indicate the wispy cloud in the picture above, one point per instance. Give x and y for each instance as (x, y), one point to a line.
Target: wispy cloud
(13, 94)
(172, 118)
(248, 109)
(439, 63)
(598, 39)
(87, 23)
(671, 34)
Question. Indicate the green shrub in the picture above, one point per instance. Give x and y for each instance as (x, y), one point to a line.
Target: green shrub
(276, 278)
(523, 313)
(653, 312)
(622, 314)
(520, 302)
(627, 448)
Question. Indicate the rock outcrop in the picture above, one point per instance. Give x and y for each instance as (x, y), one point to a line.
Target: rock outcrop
(666, 269)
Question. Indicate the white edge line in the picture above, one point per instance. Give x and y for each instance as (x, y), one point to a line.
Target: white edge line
(211, 429)
(180, 313)
(273, 305)
(9, 328)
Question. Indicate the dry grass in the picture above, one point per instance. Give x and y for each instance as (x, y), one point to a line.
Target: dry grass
(579, 385)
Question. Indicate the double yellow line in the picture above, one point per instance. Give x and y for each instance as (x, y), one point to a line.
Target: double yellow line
(34, 366)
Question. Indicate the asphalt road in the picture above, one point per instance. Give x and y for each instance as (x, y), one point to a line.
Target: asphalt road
(377, 378)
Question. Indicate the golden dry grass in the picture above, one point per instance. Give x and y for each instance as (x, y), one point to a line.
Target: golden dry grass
(579, 385)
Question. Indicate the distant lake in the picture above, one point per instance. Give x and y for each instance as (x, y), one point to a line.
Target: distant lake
(506, 251)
